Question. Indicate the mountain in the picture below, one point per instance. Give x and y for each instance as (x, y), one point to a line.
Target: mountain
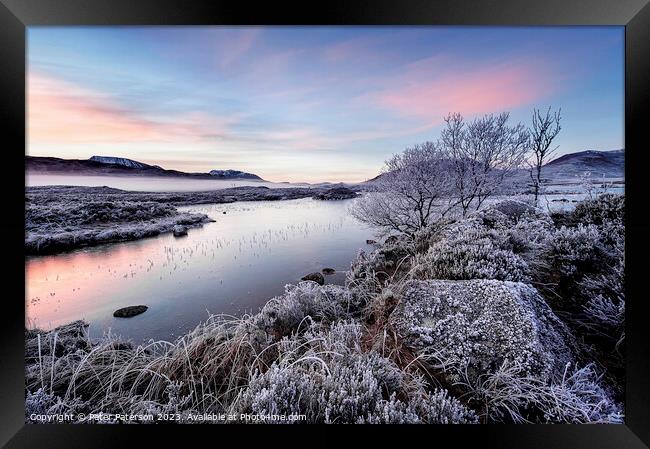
(230, 174)
(118, 166)
(610, 164)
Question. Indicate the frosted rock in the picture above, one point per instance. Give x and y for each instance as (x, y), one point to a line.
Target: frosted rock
(179, 230)
(479, 324)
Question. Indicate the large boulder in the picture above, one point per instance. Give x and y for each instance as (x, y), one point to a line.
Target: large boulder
(472, 327)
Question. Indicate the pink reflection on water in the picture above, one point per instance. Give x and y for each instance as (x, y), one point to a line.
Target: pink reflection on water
(54, 283)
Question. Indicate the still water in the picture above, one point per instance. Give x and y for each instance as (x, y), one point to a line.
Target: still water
(231, 266)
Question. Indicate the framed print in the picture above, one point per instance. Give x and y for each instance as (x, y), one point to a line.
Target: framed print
(419, 217)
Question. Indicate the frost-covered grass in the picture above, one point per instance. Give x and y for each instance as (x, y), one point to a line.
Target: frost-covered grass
(507, 316)
(577, 396)
(71, 223)
(47, 194)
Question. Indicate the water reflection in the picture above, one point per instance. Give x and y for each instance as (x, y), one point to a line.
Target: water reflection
(231, 266)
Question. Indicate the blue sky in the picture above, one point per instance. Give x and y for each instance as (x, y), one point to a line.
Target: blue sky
(309, 103)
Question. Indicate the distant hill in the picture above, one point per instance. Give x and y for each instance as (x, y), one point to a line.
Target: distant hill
(610, 164)
(118, 166)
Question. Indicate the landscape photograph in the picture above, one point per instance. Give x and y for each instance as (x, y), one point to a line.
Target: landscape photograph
(325, 224)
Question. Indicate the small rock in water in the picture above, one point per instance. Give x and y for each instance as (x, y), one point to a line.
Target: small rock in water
(130, 311)
(224, 212)
(179, 230)
(316, 277)
(370, 242)
(328, 270)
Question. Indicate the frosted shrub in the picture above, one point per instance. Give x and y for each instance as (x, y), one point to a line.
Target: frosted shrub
(370, 272)
(490, 218)
(471, 259)
(603, 302)
(585, 266)
(284, 314)
(42, 403)
(423, 239)
(605, 312)
(38, 403)
(574, 250)
(516, 225)
(584, 262)
(342, 392)
(606, 208)
(579, 397)
(437, 407)
(471, 250)
(327, 377)
(497, 242)
(530, 234)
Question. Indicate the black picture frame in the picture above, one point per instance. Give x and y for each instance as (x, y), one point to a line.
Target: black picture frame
(16, 15)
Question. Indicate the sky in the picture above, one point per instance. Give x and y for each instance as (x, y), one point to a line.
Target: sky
(309, 104)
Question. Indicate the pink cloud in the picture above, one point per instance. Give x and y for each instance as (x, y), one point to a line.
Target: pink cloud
(429, 95)
(61, 112)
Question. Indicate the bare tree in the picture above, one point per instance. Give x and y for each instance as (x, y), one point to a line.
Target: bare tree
(467, 165)
(544, 129)
(412, 192)
(482, 154)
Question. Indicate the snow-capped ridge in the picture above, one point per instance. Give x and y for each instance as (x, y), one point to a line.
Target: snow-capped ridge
(233, 174)
(120, 161)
